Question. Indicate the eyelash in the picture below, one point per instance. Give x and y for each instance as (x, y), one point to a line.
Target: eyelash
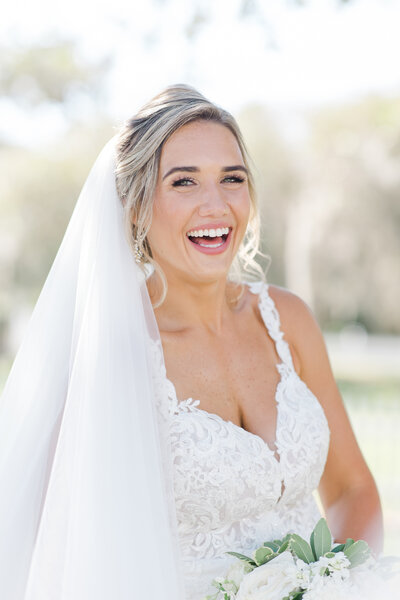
(181, 182)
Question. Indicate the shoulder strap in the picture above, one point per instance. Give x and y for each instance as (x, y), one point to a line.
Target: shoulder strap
(272, 321)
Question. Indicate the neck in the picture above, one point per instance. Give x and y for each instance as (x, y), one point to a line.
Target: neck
(191, 305)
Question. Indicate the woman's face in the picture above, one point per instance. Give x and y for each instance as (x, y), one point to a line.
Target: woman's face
(201, 203)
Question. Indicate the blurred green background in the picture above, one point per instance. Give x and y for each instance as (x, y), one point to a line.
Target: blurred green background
(327, 162)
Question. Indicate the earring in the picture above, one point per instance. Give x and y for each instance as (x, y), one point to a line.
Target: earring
(137, 251)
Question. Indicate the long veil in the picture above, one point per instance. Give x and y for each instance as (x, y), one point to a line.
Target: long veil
(86, 501)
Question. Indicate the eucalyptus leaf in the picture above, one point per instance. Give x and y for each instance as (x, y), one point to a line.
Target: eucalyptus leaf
(273, 545)
(321, 539)
(357, 553)
(242, 557)
(284, 547)
(349, 542)
(286, 538)
(263, 555)
(338, 548)
(301, 548)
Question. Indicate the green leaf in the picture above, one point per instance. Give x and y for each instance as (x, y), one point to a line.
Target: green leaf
(338, 548)
(286, 538)
(284, 547)
(348, 543)
(301, 548)
(357, 553)
(263, 555)
(246, 559)
(321, 539)
(296, 594)
(273, 545)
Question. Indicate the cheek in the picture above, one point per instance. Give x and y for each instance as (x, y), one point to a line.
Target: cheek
(164, 225)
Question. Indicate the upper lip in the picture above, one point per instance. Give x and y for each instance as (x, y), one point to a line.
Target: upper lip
(210, 226)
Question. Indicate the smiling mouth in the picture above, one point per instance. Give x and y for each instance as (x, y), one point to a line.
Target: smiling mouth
(209, 238)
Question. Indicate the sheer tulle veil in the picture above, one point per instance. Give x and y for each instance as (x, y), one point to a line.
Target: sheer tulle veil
(86, 503)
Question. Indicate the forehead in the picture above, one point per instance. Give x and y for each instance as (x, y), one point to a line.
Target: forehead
(201, 143)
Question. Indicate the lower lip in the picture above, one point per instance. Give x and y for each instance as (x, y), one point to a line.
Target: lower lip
(208, 250)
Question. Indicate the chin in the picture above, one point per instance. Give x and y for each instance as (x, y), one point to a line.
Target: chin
(208, 275)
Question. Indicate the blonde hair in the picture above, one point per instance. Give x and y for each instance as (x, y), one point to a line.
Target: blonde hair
(138, 156)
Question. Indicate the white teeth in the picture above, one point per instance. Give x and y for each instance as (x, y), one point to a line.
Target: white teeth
(208, 232)
(211, 245)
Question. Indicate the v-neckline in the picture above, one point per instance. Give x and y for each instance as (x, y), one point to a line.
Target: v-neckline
(276, 454)
(281, 368)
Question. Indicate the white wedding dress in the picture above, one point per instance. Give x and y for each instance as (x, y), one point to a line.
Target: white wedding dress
(232, 491)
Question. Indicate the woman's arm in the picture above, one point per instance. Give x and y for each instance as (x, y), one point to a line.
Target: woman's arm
(347, 489)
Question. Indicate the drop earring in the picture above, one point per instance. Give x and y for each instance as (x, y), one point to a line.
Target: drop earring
(137, 251)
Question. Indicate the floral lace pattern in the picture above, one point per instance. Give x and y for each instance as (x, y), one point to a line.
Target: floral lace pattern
(232, 491)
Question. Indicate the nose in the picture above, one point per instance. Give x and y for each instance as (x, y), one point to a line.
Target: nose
(213, 203)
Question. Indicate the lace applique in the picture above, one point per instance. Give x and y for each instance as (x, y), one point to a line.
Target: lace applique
(186, 405)
(272, 321)
(228, 482)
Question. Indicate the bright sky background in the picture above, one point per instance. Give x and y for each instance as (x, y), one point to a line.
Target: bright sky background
(299, 57)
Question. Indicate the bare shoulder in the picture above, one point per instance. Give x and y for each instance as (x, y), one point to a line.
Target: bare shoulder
(292, 310)
(298, 324)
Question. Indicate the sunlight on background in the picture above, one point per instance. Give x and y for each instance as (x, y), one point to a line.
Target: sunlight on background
(316, 88)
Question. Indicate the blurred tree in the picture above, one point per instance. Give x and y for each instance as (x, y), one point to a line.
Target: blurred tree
(202, 11)
(39, 188)
(356, 261)
(38, 191)
(330, 209)
(49, 73)
(276, 180)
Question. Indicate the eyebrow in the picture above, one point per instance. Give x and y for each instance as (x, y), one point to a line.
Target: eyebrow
(196, 170)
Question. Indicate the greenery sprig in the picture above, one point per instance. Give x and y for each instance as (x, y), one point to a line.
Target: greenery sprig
(320, 544)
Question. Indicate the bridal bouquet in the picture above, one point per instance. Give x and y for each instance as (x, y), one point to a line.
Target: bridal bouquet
(293, 569)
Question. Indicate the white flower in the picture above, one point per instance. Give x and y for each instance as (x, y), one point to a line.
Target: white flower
(329, 589)
(304, 574)
(274, 580)
(236, 572)
(338, 562)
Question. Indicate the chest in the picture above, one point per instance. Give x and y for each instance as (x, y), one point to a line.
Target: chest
(233, 376)
(225, 477)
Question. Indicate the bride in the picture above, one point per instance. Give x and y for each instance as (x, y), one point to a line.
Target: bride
(164, 408)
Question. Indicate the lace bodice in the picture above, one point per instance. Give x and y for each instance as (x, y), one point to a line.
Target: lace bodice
(232, 491)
